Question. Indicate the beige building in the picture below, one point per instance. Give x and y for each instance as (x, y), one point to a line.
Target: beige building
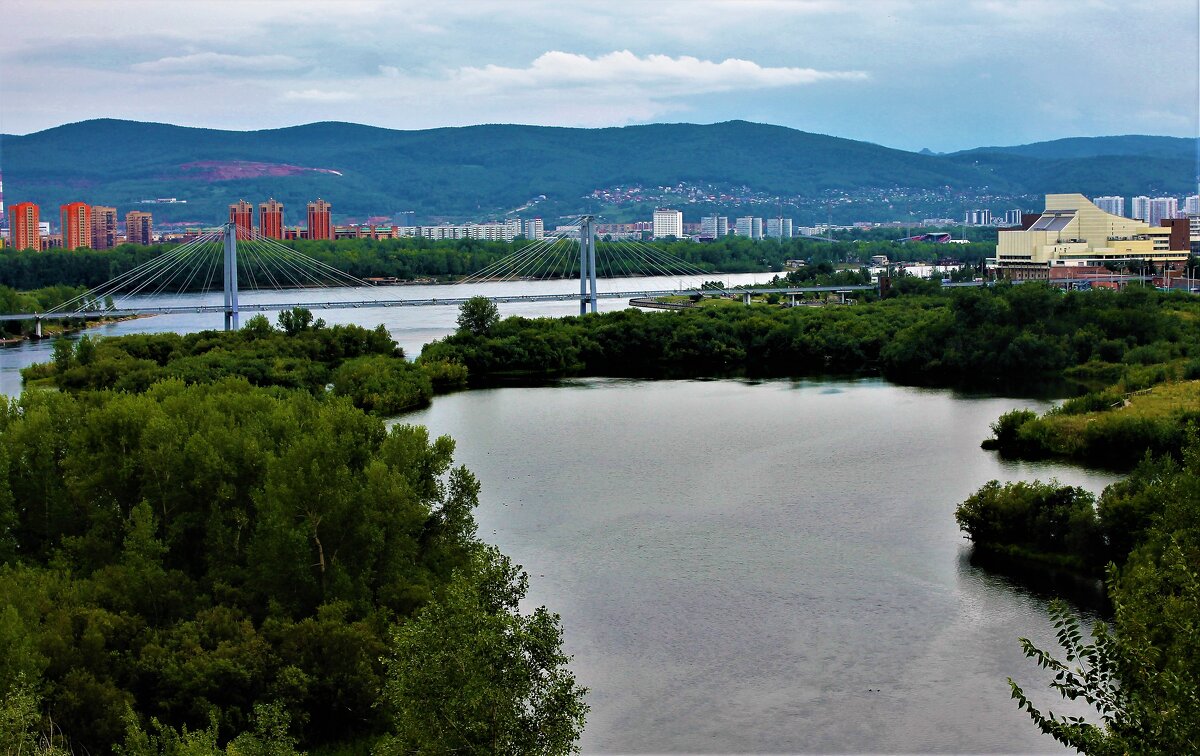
(139, 227)
(1072, 231)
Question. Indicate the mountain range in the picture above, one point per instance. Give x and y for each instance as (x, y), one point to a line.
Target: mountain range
(480, 172)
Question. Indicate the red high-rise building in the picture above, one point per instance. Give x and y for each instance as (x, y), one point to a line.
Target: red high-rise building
(320, 225)
(270, 219)
(104, 227)
(241, 214)
(76, 226)
(23, 220)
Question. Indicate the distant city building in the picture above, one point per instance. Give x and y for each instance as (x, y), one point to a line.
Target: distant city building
(76, 224)
(104, 227)
(779, 228)
(714, 227)
(1140, 208)
(978, 218)
(1191, 205)
(749, 227)
(1111, 205)
(24, 226)
(668, 222)
(534, 229)
(270, 219)
(139, 227)
(1074, 232)
(320, 225)
(1012, 217)
(513, 228)
(241, 214)
(1162, 208)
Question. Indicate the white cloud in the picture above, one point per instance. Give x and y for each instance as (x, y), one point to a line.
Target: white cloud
(318, 95)
(212, 62)
(653, 75)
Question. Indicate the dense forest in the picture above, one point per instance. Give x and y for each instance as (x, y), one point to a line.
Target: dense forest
(206, 546)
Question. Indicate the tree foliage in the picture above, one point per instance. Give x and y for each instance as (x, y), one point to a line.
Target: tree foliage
(1142, 675)
(212, 566)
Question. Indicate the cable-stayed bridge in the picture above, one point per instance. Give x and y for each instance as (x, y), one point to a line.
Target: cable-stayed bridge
(249, 261)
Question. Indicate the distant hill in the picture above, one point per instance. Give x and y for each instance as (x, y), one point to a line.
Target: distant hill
(488, 171)
(1131, 145)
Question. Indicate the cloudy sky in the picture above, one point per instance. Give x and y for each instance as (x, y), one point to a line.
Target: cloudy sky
(943, 74)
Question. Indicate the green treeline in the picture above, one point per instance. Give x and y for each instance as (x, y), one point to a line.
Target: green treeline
(410, 258)
(302, 353)
(1142, 674)
(203, 550)
(944, 338)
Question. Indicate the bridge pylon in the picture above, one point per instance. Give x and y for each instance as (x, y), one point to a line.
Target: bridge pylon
(231, 281)
(587, 264)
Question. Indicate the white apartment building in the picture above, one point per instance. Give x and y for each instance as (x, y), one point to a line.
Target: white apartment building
(668, 222)
(750, 227)
(1140, 208)
(1162, 208)
(1111, 205)
(714, 227)
(978, 218)
(1191, 205)
(534, 229)
(779, 228)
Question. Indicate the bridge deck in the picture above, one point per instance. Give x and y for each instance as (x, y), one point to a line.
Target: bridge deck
(414, 302)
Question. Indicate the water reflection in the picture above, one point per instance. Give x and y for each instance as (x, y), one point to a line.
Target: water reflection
(761, 566)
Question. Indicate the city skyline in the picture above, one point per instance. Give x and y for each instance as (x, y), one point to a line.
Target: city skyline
(949, 75)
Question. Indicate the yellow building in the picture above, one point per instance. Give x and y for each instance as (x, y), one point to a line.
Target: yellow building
(1074, 232)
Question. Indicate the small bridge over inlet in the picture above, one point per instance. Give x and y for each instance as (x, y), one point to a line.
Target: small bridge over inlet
(249, 261)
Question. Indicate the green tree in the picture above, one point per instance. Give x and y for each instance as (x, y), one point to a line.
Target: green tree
(63, 354)
(478, 315)
(471, 674)
(1142, 675)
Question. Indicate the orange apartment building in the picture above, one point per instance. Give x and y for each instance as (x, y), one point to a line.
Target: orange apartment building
(270, 219)
(319, 220)
(241, 214)
(76, 225)
(23, 220)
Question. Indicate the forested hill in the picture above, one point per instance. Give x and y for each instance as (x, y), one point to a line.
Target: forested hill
(484, 171)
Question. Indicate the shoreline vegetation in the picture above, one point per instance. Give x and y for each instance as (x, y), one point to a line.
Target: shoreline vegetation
(199, 600)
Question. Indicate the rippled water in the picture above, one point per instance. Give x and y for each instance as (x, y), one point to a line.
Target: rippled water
(768, 567)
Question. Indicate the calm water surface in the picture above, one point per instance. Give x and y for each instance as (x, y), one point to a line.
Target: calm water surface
(768, 567)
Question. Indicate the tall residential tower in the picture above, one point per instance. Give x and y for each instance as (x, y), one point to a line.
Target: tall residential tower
(320, 225)
(270, 219)
(76, 220)
(23, 221)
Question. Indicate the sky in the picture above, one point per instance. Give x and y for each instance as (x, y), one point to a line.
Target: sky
(911, 74)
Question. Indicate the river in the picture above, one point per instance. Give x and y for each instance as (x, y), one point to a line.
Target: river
(743, 566)
(762, 567)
